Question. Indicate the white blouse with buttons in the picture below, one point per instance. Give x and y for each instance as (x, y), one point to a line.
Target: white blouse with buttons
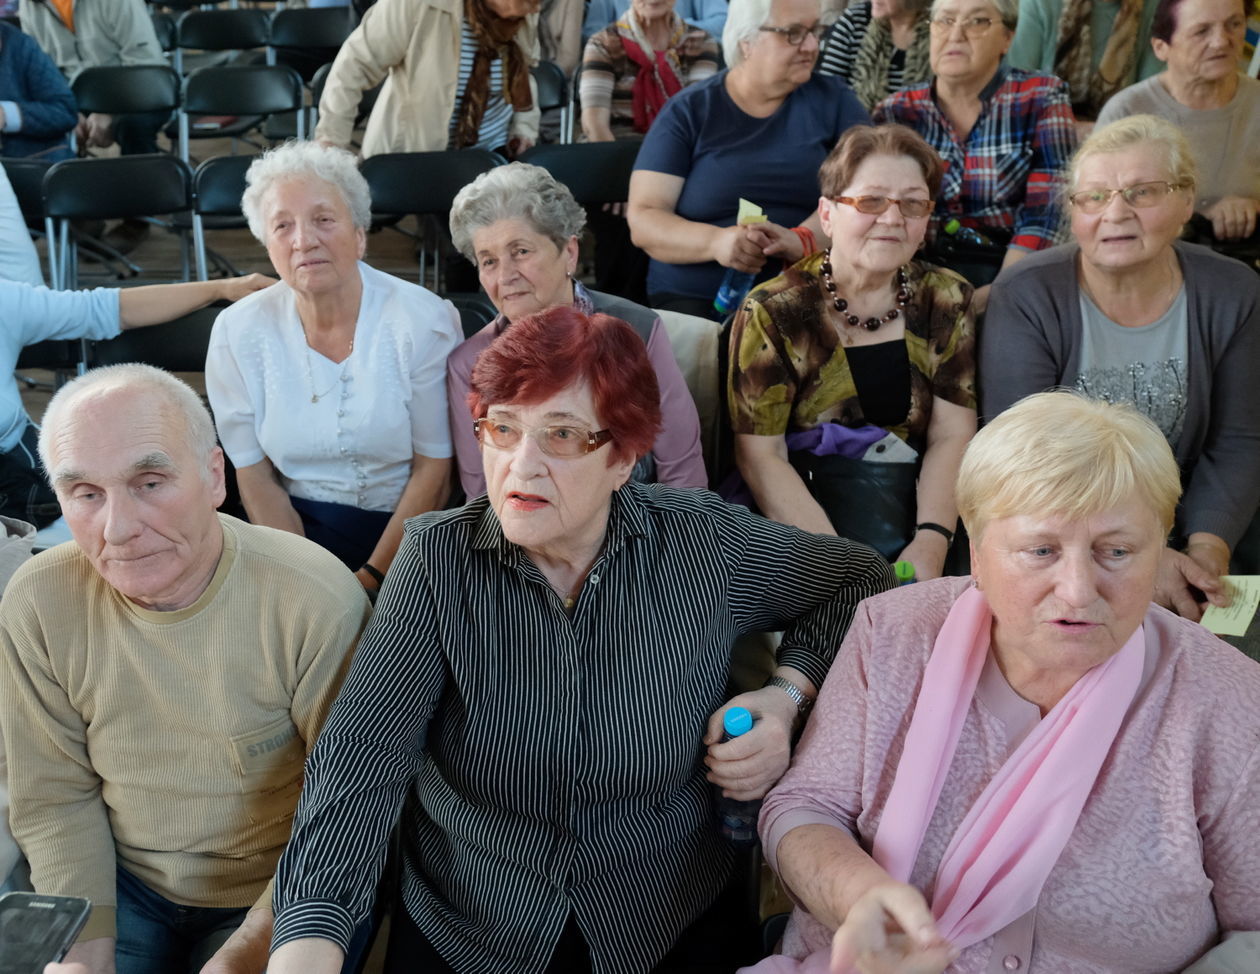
(342, 432)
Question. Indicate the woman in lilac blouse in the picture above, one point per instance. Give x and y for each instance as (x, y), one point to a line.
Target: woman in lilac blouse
(1036, 769)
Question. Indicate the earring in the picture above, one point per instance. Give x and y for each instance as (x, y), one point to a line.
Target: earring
(975, 583)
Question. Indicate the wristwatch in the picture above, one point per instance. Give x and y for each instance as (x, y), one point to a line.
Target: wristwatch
(803, 703)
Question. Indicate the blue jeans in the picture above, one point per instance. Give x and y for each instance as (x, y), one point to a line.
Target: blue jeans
(156, 936)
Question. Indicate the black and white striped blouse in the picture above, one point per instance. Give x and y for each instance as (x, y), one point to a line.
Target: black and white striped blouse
(843, 40)
(552, 762)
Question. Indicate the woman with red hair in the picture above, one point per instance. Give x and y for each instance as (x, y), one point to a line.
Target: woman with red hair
(545, 677)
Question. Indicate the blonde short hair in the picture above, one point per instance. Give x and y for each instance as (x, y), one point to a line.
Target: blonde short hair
(1162, 135)
(1065, 454)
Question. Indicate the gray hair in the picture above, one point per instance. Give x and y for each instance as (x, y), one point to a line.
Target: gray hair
(1165, 137)
(744, 19)
(1007, 10)
(198, 426)
(517, 191)
(298, 160)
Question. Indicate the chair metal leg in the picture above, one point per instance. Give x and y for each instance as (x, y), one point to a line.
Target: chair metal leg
(50, 239)
(199, 246)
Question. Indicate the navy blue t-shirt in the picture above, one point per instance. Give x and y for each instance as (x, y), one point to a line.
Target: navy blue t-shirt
(724, 154)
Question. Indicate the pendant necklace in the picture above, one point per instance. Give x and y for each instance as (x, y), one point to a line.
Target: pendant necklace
(870, 324)
(310, 376)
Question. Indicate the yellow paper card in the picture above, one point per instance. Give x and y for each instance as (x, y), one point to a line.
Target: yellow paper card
(749, 213)
(1234, 620)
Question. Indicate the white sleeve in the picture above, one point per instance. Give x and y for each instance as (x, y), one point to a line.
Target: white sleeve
(430, 426)
(234, 411)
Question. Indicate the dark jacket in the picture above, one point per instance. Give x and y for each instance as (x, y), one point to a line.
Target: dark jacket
(30, 79)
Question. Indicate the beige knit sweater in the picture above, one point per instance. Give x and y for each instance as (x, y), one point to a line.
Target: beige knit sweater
(171, 743)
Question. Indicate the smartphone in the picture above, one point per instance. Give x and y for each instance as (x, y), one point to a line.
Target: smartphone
(36, 930)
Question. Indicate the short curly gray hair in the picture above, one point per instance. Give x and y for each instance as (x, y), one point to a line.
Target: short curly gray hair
(517, 191)
(296, 160)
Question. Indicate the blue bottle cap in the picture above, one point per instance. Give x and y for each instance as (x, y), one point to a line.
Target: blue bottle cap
(737, 721)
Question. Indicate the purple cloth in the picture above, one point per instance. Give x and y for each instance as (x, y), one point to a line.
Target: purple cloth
(836, 440)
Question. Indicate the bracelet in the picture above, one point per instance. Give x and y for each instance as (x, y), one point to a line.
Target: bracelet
(803, 703)
(806, 236)
(375, 572)
(938, 528)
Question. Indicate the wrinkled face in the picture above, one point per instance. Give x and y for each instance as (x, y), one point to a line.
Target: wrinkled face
(522, 270)
(548, 504)
(877, 242)
(1066, 595)
(958, 57)
(1207, 42)
(646, 10)
(311, 237)
(769, 56)
(138, 500)
(1122, 236)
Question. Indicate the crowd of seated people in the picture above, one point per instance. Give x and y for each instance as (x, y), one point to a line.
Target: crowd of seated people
(489, 696)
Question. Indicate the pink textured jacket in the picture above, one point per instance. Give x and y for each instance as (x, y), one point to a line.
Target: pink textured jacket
(1165, 857)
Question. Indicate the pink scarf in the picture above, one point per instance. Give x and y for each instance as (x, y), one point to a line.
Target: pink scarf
(995, 865)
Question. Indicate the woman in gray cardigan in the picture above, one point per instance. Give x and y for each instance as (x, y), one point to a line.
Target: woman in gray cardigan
(1127, 312)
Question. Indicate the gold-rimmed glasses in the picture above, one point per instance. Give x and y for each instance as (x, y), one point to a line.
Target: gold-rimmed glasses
(912, 208)
(1139, 195)
(564, 442)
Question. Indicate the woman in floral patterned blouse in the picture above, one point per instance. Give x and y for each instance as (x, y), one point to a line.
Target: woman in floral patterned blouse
(852, 374)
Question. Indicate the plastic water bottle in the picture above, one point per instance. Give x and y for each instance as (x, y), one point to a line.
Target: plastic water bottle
(737, 820)
(735, 285)
(956, 229)
(904, 570)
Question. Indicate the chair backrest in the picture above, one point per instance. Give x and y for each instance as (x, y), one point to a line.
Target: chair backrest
(695, 343)
(245, 89)
(124, 186)
(218, 185)
(121, 89)
(595, 172)
(164, 27)
(553, 88)
(224, 30)
(177, 346)
(26, 176)
(423, 182)
(308, 27)
(475, 310)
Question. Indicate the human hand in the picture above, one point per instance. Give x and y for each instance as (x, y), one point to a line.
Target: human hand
(235, 288)
(1233, 217)
(777, 241)
(739, 248)
(749, 766)
(518, 144)
(926, 551)
(890, 930)
(1178, 573)
(247, 950)
(99, 131)
(94, 956)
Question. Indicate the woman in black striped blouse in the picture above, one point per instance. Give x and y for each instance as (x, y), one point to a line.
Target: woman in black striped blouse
(543, 683)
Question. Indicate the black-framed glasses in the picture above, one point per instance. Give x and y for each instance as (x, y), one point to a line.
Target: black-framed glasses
(971, 26)
(1139, 195)
(796, 33)
(913, 208)
(564, 442)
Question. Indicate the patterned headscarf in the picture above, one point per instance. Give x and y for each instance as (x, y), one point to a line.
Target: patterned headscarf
(1073, 60)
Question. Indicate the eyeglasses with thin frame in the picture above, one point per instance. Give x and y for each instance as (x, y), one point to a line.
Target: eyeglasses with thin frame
(913, 208)
(563, 442)
(796, 33)
(971, 26)
(1140, 196)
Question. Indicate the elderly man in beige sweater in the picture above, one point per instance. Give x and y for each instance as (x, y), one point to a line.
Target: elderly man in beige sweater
(162, 679)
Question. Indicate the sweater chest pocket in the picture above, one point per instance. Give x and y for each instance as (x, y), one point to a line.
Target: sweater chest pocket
(269, 763)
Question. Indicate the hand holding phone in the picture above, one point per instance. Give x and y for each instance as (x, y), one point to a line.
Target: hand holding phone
(36, 930)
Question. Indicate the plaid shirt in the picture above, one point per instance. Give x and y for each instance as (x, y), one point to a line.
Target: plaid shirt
(1008, 172)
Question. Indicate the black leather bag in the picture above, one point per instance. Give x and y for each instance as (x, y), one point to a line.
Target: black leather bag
(870, 502)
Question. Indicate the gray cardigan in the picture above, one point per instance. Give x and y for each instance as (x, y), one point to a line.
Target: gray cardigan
(1031, 342)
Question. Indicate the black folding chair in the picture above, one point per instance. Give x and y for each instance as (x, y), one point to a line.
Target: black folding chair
(222, 30)
(553, 93)
(595, 172)
(475, 310)
(218, 185)
(124, 187)
(177, 346)
(246, 93)
(423, 184)
(26, 176)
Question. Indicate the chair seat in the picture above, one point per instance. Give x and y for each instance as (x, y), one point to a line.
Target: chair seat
(239, 125)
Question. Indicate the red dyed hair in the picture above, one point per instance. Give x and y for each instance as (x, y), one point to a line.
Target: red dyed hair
(542, 354)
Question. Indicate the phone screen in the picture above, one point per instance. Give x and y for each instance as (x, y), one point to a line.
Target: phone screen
(36, 930)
